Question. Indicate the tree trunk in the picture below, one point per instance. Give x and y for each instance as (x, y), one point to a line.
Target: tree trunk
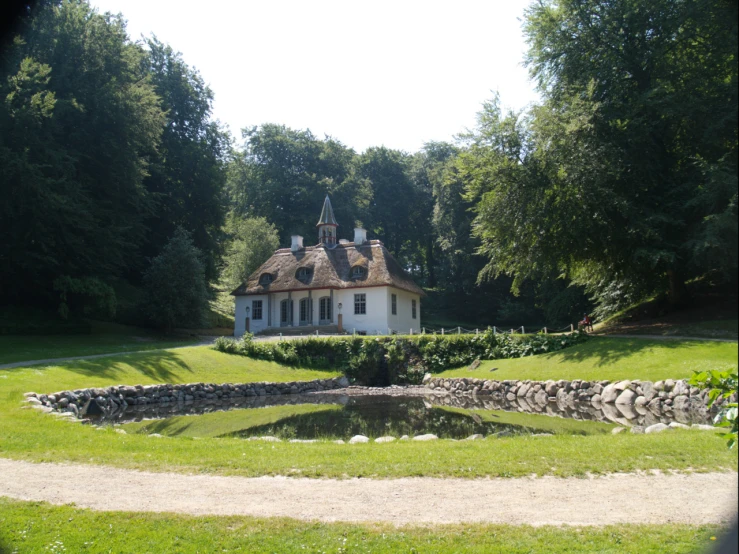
(678, 292)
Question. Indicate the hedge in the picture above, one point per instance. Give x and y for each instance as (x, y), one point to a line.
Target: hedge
(389, 360)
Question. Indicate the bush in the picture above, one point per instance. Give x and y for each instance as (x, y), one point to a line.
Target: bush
(394, 360)
(722, 387)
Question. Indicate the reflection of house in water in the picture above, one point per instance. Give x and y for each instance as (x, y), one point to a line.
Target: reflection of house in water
(358, 282)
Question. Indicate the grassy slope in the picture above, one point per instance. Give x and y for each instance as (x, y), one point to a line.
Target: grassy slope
(613, 359)
(216, 424)
(31, 527)
(106, 338)
(31, 435)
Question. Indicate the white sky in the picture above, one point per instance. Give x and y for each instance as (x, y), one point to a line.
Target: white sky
(367, 72)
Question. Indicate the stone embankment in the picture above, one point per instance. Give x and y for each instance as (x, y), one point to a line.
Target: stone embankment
(632, 403)
(109, 401)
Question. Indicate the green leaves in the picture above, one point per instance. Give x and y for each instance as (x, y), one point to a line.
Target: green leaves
(722, 387)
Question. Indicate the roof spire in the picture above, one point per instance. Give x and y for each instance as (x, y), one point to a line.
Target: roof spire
(327, 214)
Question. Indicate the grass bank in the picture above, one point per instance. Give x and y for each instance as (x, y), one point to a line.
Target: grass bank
(30, 435)
(106, 338)
(613, 359)
(39, 527)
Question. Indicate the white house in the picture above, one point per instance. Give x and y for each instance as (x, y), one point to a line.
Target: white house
(336, 285)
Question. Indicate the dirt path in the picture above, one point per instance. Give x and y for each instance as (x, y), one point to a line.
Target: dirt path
(51, 361)
(625, 498)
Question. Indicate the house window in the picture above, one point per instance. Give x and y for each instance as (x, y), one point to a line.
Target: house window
(324, 309)
(305, 310)
(303, 273)
(256, 309)
(360, 304)
(394, 303)
(265, 279)
(286, 308)
(413, 309)
(358, 272)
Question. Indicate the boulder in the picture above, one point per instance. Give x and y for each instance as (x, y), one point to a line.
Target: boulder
(618, 430)
(385, 439)
(551, 388)
(676, 425)
(474, 437)
(637, 429)
(357, 439)
(405, 438)
(681, 403)
(626, 397)
(427, 437)
(610, 394)
(702, 427)
(657, 428)
(596, 399)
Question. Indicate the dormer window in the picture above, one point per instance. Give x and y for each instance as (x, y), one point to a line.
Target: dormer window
(358, 272)
(265, 279)
(303, 273)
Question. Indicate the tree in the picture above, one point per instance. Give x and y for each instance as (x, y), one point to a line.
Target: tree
(176, 293)
(186, 180)
(252, 241)
(79, 122)
(283, 175)
(621, 178)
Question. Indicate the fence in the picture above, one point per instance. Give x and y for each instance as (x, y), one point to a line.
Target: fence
(455, 331)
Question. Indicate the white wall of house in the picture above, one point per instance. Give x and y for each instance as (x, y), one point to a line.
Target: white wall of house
(377, 319)
(403, 320)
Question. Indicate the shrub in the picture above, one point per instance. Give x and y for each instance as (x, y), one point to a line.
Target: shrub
(722, 386)
(391, 360)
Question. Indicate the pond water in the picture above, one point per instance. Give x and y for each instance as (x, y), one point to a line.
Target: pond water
(332, 416)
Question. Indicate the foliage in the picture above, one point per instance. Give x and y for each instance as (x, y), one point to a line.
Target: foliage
(106, 146)
(722, 386)
(251, 242)
(391, 360)
(619, 181)
(175, 284)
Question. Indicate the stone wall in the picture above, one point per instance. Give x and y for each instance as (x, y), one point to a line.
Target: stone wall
(633, 403)
(110, 401)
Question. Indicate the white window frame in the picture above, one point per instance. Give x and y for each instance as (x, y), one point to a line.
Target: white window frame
(256, 310)
(360, 304)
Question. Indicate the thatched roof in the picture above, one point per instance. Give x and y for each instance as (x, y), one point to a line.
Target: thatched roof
(330, 268)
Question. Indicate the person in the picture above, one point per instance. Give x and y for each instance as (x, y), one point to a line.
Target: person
(586, 323)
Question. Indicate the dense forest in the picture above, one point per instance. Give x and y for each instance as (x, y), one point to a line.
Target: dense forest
(620, 185)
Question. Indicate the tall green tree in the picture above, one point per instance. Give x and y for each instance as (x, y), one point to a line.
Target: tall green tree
(283, 175)
(625, 178)
(79, 125)
(175, 284)
(186, 180)
(251, 243)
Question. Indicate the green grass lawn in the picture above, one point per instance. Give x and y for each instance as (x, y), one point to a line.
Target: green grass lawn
(612, 359)
(31, 527)
(30, 435)
(105, 339)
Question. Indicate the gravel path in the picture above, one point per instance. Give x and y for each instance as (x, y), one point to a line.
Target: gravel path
(620, 498)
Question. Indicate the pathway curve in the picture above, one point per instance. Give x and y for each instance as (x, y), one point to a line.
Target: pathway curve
(51, 361)
(698, 498)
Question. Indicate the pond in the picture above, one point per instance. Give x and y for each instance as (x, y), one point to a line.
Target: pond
(334, 416)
